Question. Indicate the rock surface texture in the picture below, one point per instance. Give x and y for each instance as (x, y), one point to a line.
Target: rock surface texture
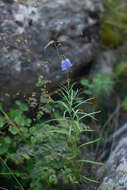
(25, 29)
(114, 171)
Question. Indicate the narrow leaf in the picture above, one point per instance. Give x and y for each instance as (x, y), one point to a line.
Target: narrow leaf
(88, 179)
(90, 142)
(91, 162)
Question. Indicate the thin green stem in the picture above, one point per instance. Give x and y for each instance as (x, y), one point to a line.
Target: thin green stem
(10, 121)
(57, 50)
(3, 188)
(4, 163)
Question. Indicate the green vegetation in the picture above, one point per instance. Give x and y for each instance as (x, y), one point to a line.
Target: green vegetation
(121, 69)
(101, 84)
(40, 144)
(121, 74)
(114, 26)
(44, 152)
(124, 103)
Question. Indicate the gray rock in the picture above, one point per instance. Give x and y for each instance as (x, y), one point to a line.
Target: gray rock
(114, 171)
(107, 59)
(105, 62)
(26, 28)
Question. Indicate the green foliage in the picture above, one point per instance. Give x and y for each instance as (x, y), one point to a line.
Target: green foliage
(124, 103)
(121, 74)
(40, 81)
(121, 69)
(45, 150)
(115, 22)
(110, 35)
(48, 151)
(44, 103)
(101, 84)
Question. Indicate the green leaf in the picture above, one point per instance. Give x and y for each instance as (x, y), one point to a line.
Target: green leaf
(91, 162)
(90, 142)
(84, 82)
(26, 156)
(7, 140)
(13, 130)
(2, 122)
(1, 107)
(124, 103)
(61, 131)
(30, 164)
(22, 106)
(39, 84)
(28, 122)
(33, 140)
(64, 105)
(14, 113)
(53, 179)
(88, 92)
(3, 148)
(19, 120)
(102, 84)
(121, 69)
(88, 179)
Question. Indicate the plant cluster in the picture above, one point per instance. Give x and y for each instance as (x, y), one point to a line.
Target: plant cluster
(43, 152)
(47, 152)
(121, 69)
(101, 84)
(114, 27)
(121, 74)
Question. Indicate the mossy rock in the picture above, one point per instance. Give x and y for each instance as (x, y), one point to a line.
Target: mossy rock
(110, 35)
(121, 69)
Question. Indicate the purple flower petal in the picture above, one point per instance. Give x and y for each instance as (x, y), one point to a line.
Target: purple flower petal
(46, 46)
(65, 64)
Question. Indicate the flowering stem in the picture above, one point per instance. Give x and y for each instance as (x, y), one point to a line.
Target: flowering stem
(57, 50)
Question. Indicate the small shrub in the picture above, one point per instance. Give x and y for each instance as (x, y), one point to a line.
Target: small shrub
(114, 27)
(124, 103)
(121, 69)
(45, 151)
(102, 84)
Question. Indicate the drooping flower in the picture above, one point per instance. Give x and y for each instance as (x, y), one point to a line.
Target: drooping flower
(65, 64)
(50, 43)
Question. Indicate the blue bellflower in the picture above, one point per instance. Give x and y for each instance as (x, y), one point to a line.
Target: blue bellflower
(65, 64)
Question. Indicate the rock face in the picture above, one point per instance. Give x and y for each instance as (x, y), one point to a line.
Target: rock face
(114, 171)
(105, 62)
(25, 29)
(107, 59)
